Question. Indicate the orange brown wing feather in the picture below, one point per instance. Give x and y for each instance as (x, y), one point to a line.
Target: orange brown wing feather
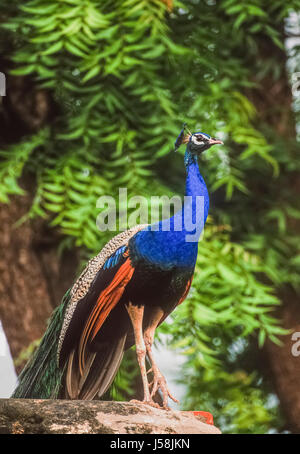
(106, 301)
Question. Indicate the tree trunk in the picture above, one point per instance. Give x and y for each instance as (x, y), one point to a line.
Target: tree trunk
(33, 279)
(274, 105)
(285, 366)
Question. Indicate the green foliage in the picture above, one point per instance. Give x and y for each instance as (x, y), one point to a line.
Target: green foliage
(12, 163)
(124, 76)
(227, 293)
(237, 399)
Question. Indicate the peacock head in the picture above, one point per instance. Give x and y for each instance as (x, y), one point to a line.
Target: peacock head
(197, 142)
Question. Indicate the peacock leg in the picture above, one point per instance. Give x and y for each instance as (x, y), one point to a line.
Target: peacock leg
(136, 314)
(159, 381)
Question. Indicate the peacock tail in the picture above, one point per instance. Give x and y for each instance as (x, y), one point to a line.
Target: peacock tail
(45, 375)
(42, 377)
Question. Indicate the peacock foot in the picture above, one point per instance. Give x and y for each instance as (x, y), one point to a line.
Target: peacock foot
(159, 383)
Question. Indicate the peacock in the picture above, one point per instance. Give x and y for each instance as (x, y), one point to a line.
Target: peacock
(121, 297)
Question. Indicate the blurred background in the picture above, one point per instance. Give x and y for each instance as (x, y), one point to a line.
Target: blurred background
(96, 94)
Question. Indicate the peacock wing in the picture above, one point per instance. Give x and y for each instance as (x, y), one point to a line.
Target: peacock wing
(95, 294)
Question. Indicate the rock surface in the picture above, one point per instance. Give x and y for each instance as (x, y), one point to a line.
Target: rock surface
(37, 416)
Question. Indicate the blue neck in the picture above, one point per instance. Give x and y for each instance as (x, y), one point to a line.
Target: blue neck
(174, 241)
(196, 187)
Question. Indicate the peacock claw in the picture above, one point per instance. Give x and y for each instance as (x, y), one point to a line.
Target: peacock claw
(159, 383)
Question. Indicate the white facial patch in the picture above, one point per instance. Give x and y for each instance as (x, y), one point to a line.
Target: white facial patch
(198, 139)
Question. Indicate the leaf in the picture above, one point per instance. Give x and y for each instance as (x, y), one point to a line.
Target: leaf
(93, 72)
(56, 47)
(23, 70)
(230, 275)
(74, 50)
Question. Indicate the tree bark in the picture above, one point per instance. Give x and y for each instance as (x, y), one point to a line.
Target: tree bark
(273, 102)
(35, 416)
(33, 278)
(284, 366)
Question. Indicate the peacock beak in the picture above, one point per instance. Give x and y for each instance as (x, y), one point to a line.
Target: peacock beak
(213, 141)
